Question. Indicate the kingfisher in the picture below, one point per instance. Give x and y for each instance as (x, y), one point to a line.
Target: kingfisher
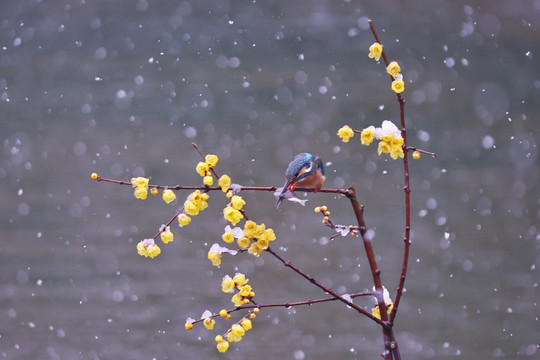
(305, 171)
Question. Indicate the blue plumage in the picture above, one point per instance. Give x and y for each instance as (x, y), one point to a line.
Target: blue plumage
(306, 171)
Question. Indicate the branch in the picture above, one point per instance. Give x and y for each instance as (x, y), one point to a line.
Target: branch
(324, 288)
(286, 305)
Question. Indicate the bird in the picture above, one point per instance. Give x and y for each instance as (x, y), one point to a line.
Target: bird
(306, 171)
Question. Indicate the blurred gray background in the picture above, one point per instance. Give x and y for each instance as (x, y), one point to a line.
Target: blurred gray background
(123, 88)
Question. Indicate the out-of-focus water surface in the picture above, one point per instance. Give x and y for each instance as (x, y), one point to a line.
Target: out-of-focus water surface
(124, 87)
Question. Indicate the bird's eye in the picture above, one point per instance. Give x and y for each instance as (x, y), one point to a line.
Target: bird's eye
(308, 168)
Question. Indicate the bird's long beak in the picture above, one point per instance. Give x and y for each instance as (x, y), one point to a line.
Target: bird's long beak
(286, 186)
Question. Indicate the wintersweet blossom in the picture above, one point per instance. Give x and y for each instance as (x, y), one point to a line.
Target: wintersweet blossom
(208, 180)
(375, 311)
(232, 215)
(222, 345)
(244, 242)
(140, 193)
(228, 237)
(202, 168)
(183, 219)
(237, 202)
(398, 86)
(224, 183)
(227, 284)
(148, 248)
(240, 279)
(139, 182)
(214, 257)
(168, 196)
(393, 69)
(367, 135)
(246, 324)
(375, 51)
(236, 333)
(166, 235)
(209, 323)
(345, 133)
(211, 160)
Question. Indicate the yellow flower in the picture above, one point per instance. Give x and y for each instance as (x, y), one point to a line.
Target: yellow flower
(205, 196)
(243, 242)
(393, 68)
(237, 202)
(384, 147)
(246, 324)
(183, 219)
(209, 323)
(223, 346)
(201, 168)
(396, 141)
(269, 235)
(215, 258)
(141, 249)
(416, 155)
(367, 136)
(237, 299)
(375, 51)
(345, 133)
(237, 332)
(398, 86)
(140, 192)
(154, 191)
(263, 243)
(148, 248)
(190, 208)
(223, 313)
(240, 279)
(168, 196)
(249, 228)
(167, 236)
(211, 160)
(153, 251)
(189, 326)
(224, 183)
(208, 180)
(94, 176)
(377, 313)
(139, 182)
(260, 231)
(228, 237)
(245, 290)
(396, 152)
(232, 215)
(255, 249)
(227, 284)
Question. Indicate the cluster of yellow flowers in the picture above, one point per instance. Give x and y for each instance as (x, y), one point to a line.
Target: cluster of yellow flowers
(237, 331)
(232, 211)
(203, 168)
(254, 236)
(389, 135)
(240, 282)
(393, 68)
(141, 187)
(148, 248)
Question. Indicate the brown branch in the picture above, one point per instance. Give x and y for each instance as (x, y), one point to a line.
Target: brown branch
(412, 148)
(390, 344)
(287, 304)
(324, 288)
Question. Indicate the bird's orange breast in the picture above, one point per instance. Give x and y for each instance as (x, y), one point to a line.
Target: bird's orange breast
(315, 180)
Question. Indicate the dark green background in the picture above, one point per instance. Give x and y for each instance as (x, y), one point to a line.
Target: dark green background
(123, 88)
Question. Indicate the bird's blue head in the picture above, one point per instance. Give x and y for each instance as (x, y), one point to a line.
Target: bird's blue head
(302, 166)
